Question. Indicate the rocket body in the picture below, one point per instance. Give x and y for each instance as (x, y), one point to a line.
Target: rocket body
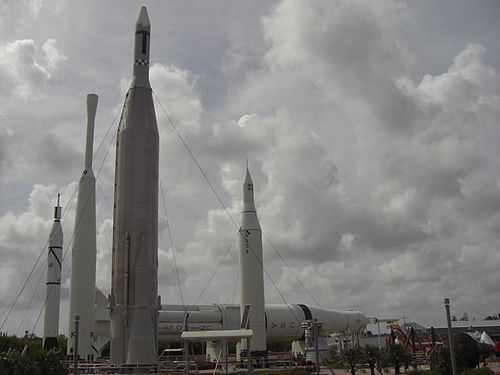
(251, 269)
(134, 286)
(53, 291)
(83, 256)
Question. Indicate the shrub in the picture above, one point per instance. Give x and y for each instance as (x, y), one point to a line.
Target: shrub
(39, 362)
(476, 371)
(423, 372)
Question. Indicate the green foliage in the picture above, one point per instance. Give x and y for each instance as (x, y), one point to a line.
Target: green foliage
(467, 371)
(477, 371)
(63, 342)
(441, 362)
(423, 372)
(39, 362)
(352, 357)
(396, 356)
(297, 371)
(50, 362)
(372, 355)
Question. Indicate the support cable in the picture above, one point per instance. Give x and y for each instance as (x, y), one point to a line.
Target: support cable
(297, 278)
(77, 223)
(172, 246)
(217, 195)
(217, 269)
(32, 297)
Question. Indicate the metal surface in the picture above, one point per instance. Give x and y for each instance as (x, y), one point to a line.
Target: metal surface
(450, 337)
(134, 299)
(283, 321)
(83, 255)
(53, 290)
(251, 269)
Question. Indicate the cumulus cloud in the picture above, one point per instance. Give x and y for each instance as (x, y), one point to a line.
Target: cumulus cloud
(373, 195)
(23, 246)
(376, 177)
(22, 74)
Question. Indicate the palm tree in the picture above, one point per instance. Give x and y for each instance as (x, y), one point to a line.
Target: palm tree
(397, 355)
(372, 356)
(352, 357)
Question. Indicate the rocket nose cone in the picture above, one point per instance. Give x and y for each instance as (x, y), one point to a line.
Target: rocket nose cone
(143, 18)
(248, 179)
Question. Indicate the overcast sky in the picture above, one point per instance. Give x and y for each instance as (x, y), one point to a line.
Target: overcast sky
(371, 130)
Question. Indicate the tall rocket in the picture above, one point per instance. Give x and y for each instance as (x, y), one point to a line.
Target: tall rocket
(53, 292)
(134, 301)
(83, 255)
(251, 270)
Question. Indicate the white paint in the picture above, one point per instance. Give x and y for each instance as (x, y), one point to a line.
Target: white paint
(83, 255)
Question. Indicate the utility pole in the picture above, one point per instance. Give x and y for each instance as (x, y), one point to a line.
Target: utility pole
(450, 337)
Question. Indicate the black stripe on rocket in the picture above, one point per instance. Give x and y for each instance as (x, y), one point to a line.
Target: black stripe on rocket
(51, 250)
(145, 35)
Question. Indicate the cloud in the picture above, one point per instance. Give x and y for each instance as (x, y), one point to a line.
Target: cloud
(22, 75)
(24, 239)
(374, 157)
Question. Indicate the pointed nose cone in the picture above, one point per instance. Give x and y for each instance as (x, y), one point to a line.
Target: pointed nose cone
(141, 51)
(143, 18)
(248, 203)
(248, 178)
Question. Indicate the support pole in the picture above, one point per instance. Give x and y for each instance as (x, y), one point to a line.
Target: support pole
(185, 347)
(226, 348)
(75, 353)
(379, 340)
(249, 357)
(450, 337)
(316, 344)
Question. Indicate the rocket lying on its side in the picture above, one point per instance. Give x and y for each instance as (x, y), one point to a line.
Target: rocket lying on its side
(251, 270)
(134, 299)
(53, 293)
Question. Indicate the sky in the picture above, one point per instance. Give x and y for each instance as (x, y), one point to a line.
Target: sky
(371, 131)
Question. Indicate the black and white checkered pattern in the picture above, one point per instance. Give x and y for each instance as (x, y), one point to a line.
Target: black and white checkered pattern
(141, 62)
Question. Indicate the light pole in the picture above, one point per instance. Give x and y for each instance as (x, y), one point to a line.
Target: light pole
(450, 336)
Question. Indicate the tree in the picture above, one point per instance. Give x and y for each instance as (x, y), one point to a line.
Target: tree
(37, 361)
(372, 355)
(397, 355)
(352, 357)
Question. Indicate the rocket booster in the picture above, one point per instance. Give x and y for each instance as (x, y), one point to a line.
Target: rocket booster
(140, 76)
(251, 268)
(134, 287)
(53, 292)
(83, 255)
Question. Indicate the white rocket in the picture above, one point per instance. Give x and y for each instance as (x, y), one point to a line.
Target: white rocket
(134, 298)
(83, 256)
(53, 292)
(251, 270)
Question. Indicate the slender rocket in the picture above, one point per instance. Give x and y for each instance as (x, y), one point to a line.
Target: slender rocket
(53, 292)
(83, 255)
(134, 300)
(251, 269)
